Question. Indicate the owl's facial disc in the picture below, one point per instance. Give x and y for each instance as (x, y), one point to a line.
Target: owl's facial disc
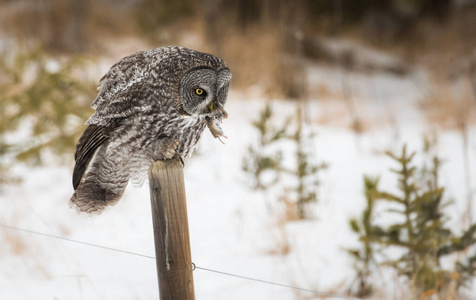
(204, 90)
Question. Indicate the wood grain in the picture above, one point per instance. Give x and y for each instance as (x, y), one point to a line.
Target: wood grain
(171, 235)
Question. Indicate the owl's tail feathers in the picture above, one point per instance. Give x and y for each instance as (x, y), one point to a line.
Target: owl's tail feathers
(101, 185)
(92, 198)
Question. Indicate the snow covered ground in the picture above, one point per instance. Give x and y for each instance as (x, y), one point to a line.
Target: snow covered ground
(233, 228)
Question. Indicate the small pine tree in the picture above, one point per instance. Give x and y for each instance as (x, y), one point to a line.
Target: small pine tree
(465, 269)
(305, 171)
(54, 103)
(422, 234)
(421, 231)
(261, 158)
(364, 257)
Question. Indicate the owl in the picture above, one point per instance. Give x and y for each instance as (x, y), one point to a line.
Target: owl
(152, 105)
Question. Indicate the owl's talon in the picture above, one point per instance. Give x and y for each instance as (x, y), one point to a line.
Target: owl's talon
(165, 148)
(179, 158)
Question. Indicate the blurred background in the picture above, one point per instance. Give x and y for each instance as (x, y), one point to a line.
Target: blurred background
(349, 168)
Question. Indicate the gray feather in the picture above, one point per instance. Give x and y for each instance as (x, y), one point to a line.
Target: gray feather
(144, 98)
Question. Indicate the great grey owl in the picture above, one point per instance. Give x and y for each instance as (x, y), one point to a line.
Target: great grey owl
(152, 105)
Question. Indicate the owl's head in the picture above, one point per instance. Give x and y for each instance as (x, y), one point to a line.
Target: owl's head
(203, 90)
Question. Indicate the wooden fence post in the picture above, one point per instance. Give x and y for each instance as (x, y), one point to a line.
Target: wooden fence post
(172, 241)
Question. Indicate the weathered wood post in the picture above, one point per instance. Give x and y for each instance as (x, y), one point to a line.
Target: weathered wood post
(172, 241)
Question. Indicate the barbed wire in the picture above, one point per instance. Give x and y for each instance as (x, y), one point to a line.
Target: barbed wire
(193, 264)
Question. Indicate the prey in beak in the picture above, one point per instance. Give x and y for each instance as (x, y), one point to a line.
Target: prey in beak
(214, 119)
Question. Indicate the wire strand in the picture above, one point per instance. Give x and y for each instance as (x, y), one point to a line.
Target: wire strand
(278, 284)
(194, 265)
(75, 241)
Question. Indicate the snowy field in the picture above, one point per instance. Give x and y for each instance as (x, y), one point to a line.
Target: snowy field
(233, 228)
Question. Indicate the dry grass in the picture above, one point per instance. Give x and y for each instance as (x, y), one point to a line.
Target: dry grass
(336, 113)
(256, 58)
(440, 46)
(22, 253)
(13, 242)
(450, 109)
(62, 26)
(289, 211)
(282, 245)
(19, 244)
(437, 46)
(285, 213)
(332, 104)
(256, 55)
(31, 259)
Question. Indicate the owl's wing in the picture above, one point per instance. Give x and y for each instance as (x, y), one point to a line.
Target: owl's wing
(122, 105)
(130, 69)
(89, 142)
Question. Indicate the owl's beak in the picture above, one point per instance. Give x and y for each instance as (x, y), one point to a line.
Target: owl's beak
(217, 109)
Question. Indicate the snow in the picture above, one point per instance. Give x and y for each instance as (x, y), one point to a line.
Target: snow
(233, 229)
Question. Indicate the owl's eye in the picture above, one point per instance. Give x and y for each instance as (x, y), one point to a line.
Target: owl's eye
(200, 92)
